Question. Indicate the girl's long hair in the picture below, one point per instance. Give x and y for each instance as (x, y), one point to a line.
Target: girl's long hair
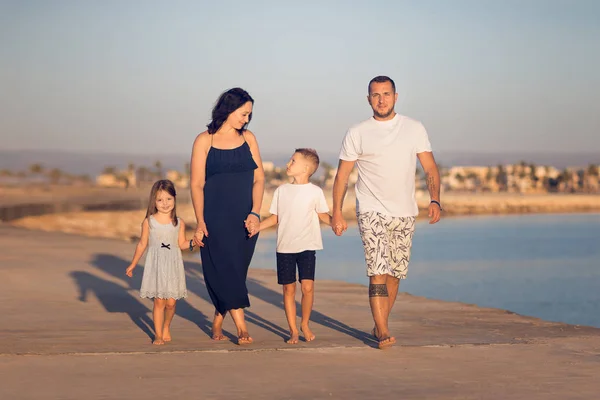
(227, 103)
(167, 186)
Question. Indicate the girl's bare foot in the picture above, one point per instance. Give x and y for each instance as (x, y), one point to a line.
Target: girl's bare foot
(158, 341)
(293, 338)
(244, 338)
(308, 335)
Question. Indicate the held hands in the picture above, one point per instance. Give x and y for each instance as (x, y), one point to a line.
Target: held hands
(199, 235)
(338, 224)
(252, 224)
(435, 212)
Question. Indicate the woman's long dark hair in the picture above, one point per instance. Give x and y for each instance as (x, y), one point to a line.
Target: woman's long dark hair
(166, 186)
(228, 102)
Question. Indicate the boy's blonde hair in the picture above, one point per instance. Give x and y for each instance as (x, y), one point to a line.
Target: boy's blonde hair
(311, 156)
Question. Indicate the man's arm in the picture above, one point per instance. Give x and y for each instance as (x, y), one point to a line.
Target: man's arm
(340, 187)
(432, 178)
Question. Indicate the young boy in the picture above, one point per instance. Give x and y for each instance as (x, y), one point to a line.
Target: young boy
(297, 208)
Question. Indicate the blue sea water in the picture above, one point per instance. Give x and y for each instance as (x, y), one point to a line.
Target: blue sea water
(546, 266)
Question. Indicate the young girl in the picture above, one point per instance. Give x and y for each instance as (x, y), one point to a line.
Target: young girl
(164, 277)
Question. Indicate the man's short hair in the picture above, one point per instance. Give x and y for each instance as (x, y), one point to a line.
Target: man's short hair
(311, 156)
(382, 79)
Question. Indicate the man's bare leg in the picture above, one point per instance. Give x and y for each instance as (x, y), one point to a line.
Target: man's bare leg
(379, 302)
(308, 297)
(169, 314)
(289, 304)
(392, 285)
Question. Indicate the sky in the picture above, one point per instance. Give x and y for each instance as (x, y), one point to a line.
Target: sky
(143, 76)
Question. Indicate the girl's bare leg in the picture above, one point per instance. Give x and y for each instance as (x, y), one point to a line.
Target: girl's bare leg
(169, 314)
(308, 296)
(289, 304)
(240, 324)
(158, 315)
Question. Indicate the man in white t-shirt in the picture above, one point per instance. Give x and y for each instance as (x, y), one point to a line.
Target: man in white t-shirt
(385, 149)
(296, 209)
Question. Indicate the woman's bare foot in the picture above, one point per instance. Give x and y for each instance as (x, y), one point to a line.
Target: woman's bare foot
(217, 327)
(244, 338)
(158, 341)
(386, 342)
(218, 335)
(166, 335)
(293, 338)
(308, 335)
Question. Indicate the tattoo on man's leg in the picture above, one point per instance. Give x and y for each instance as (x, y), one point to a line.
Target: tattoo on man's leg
(378, 290)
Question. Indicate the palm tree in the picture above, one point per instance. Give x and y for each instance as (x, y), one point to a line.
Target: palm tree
(158, 165)
(109, 170)
(36, 168)
(55, 174)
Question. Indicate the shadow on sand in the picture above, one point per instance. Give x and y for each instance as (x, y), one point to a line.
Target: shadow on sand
(118, 298)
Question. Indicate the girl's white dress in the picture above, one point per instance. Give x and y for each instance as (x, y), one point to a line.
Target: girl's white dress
(164, 276)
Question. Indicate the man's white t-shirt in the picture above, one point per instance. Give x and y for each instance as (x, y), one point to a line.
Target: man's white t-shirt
(386, 157)
(296, 207)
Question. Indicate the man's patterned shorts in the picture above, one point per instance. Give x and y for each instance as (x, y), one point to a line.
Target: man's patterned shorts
(387, 242)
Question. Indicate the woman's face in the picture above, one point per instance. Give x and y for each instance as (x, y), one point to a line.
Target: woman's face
(241, 116)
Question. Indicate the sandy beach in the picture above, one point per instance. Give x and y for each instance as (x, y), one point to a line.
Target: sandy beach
(74, 327)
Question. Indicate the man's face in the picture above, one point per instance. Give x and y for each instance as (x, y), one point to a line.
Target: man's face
(382, 99)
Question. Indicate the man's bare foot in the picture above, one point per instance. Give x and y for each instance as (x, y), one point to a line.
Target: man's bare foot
(158, 341)
(386, 342)
(244, 338)
(308, 335)
(218, 335)
(293, 338)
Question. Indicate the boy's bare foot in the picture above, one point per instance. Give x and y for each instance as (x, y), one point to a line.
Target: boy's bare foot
(386, 342)
(374, 332)
(158, 341)
(244, 338)
(293, 338)
(308, 335)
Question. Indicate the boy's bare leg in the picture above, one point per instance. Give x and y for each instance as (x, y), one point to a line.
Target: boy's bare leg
(289, 304)
(240, 323)
(158, 315)
(379, 302)
(308, 296)
(169, 314)
(217, 327)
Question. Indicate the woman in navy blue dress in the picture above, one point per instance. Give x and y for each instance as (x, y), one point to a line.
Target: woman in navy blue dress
(227, 184)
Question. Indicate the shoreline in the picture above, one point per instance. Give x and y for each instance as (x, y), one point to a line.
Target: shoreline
(125, 224)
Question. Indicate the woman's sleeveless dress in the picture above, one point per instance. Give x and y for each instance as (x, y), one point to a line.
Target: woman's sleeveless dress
(227, 250)
(164, 276)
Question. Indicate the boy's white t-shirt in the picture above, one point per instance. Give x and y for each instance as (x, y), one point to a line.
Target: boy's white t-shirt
(296, 207)
(386, 157)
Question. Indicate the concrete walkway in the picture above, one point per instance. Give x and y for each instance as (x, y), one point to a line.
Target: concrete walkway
(73, 327)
